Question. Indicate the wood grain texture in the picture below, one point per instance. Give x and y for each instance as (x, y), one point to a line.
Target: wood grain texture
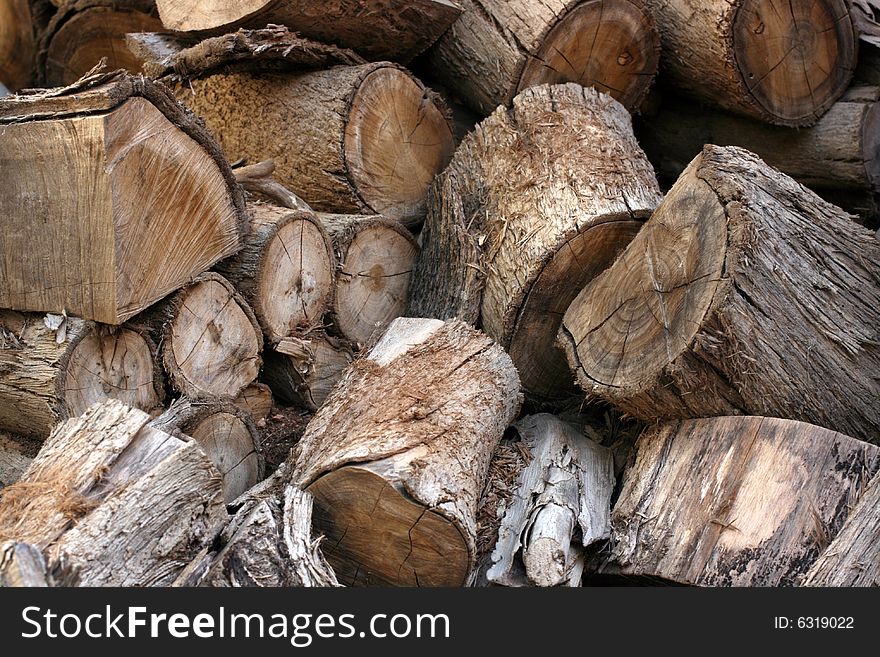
(21, 24)
(255, 400)
(397, 455)
(745, 293)
(736, 501)
(536, 202)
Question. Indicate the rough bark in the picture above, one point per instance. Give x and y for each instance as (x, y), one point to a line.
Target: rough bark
(536, 202)
(736, 501)
(783, 64)
(105, 240)
(211, 341)
(397, 456)
(302, 370)
(375, 257)
(53, 368)
(562, 504)
(226, 434)
(500, 47)
(378, 29)
(285, 270)
(353, 139)
(118, 502)
(745, 293)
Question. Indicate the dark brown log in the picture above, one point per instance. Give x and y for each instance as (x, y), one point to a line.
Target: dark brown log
(536, 202)
(736, 501)
(106, 240)
(397, 455)
(21, 24)
(500, 47)
(378, 29)
(119, 502)
(745, 293)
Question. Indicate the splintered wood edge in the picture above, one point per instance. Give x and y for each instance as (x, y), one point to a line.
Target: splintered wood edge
(612, 45)
(375, 534)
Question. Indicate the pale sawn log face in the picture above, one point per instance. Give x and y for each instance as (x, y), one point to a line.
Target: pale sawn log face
(736, 501)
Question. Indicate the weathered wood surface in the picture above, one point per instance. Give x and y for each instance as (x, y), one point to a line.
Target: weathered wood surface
(302, 370)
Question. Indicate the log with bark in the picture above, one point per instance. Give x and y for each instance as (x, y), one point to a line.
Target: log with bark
(375, 258)
(211, 341)
(104, 239)
(784, 64)
(745, 293)
(83, 32)
(23, 566)
(16, 454)
(562, 505)
(21, 25)
(226, 434)
(302, 370)
(397, 456)
(500, 47)
(285, 270)
(536, 202)
(55, 367)
(736, 501)
(378, 29)
(117, 501)
(255, 400)
(353, 139)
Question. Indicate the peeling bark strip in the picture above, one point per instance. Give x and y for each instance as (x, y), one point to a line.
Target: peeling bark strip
(268, 543)
(352, 139)
(51, 374)
(105, 240)
(536, 202)
(736, 501)
(500, 47)
(119, 502)
(781, 62)
(745, 293)
(562, 504)
(378, 29)
(398, 454)
(211, 341)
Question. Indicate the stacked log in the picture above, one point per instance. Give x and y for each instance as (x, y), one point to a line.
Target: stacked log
(21, 25)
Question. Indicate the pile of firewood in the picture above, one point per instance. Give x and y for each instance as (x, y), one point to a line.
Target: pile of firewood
(525, 359)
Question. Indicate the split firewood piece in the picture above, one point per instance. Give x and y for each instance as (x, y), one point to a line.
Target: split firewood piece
(500, 47)
(211, 341)
(267, 543)
(562, 504)
(227, 435)
(83, 32)
(21, 24)
(302, 370)
(378, 29)
(745, 293)
(736, 501)
(842, 151)
(257, 179)
(397, 456)
(285, 270)
(16, 454)
(853, 557)
(255, 400)
(118, 501)
(107, 240)
(375, 258)
(274, 47)
(783, 64)
(536, 202)
(54, 367)
(358, 139)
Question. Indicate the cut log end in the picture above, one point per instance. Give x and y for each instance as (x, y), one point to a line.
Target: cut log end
(206, 14)
(392, 161)
(229, 443)
(17, 45)
(611, 45)
(357, 511)
(795, 62)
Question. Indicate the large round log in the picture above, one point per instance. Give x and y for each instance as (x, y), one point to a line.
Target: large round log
(500, 47)
(745, 293)
(783, 63)
(536, 202)
(397, 456)
(54, 370)
(354, 139)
